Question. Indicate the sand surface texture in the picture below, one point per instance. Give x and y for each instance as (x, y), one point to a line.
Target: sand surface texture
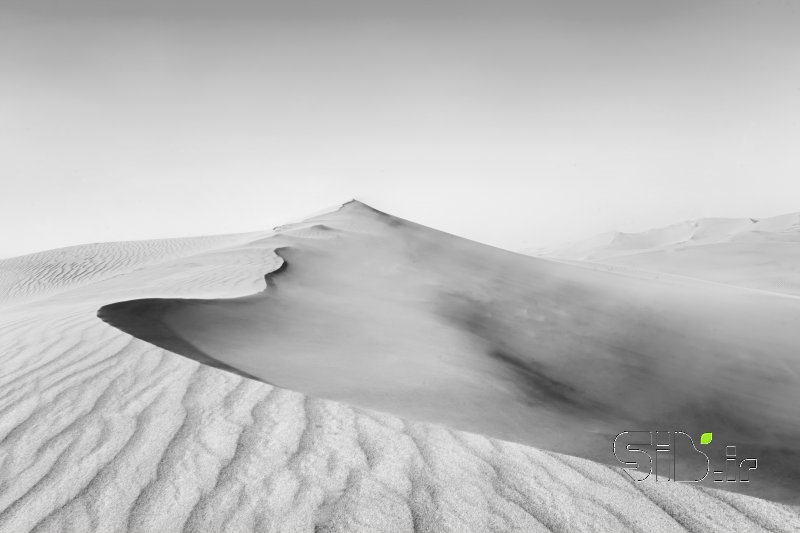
(102, 431)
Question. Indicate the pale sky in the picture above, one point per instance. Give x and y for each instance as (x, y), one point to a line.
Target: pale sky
(518, 124)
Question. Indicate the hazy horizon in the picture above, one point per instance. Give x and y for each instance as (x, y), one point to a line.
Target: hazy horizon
(531, 248)
(517, 124)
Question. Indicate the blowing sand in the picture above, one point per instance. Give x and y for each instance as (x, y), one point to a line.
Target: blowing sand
(102, 431)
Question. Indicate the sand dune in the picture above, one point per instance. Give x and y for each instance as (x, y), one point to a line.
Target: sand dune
(100, 431)
(42, 274)
(393, 316)
(757, 253)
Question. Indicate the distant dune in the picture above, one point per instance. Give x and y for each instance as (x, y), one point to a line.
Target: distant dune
(757, 253)
(104, 431)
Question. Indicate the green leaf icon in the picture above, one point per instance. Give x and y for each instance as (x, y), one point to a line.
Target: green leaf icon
(705, 438)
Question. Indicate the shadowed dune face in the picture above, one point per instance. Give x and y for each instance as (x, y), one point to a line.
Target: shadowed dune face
(389, 315)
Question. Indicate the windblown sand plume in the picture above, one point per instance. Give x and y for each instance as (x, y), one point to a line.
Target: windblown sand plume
(159, 417)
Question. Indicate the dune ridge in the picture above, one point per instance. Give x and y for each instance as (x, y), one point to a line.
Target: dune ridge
(697, 232)
(100, 431)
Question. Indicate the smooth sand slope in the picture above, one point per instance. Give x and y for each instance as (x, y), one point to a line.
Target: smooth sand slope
(385, 314)
(100, 431)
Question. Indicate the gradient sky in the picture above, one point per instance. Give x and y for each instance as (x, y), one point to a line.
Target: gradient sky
(518, 124)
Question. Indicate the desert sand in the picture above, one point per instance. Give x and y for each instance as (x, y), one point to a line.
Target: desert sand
(756, 253)
(104, 431)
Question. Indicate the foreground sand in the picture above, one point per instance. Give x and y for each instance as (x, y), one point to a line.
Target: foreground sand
(101, 431)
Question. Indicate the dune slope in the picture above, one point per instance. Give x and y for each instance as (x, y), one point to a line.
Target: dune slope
(381, 313)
